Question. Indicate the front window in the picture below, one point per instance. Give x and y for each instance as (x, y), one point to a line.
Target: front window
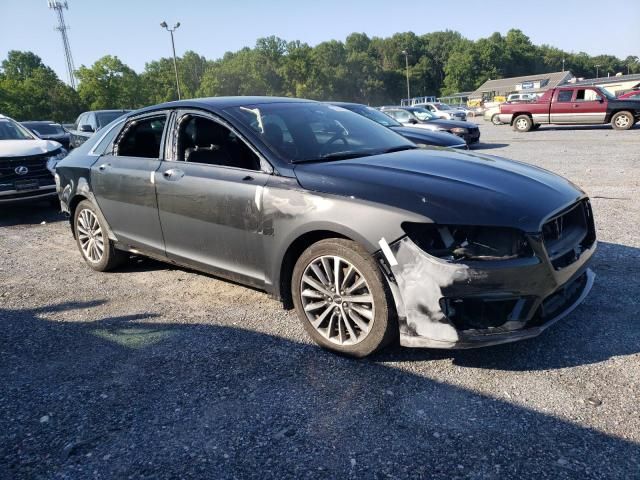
(587, 95)
(307, 132)
(423, 114)
(10, 130)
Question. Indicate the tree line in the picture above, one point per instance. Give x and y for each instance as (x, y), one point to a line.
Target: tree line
(360, 69)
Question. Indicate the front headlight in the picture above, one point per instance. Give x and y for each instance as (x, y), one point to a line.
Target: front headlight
(458, 130)
(53, 160)
(457, 243)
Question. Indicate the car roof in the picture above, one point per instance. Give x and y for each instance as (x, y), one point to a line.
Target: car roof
(220, 103)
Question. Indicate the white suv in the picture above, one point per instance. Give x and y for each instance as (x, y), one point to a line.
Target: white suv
(27, 164)
(445, 111)
(521, 97)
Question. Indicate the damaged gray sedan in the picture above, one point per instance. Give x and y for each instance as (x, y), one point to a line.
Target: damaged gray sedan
(368, 237)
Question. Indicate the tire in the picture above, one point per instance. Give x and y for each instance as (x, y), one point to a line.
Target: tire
(495, 119)
(522, 123)
(622, 121)
(375, 322)
(95, 246)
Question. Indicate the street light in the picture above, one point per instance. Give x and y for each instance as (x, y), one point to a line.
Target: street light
(597, 67)
(173, 46)
(406, 60)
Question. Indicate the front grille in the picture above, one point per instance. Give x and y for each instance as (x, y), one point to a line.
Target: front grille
(36, 164)
(569, 234)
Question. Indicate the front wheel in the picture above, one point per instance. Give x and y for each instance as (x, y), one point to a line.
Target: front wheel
(522, 123)
(622, 121)
(495, 119)
(342, 299)
(96, 247)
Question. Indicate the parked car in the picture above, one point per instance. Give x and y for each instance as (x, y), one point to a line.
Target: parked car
(444, 111)
(49, 131)
(419, 136)
(27, 164)
(521, 97)
(367, 236)
(576, 105)
(632, 95)
(88, 123)
(421, 118)
(492, 115)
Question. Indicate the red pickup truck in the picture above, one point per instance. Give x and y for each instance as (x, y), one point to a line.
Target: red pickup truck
(576, 105)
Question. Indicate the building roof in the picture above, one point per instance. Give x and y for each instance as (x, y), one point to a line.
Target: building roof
(605, 80)
(504, 86)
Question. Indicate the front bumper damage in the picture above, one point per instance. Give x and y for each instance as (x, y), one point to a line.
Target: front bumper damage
(449, 305)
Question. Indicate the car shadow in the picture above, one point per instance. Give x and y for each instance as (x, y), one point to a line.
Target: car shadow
(601, 328)
(31, 213)
(604, 126)
(144, 395)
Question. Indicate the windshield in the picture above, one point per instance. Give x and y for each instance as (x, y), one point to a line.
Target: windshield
(606, 93)
(10, 130)
(107, 117)
(423, 114)
(375, 115)
(442, 106)
(44, 128)
(308, 132)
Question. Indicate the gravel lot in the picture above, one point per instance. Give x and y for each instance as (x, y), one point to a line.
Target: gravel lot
(158, 372)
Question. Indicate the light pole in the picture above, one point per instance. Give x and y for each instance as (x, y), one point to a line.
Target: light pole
(173, 46)
(406, 60)
(597, 70)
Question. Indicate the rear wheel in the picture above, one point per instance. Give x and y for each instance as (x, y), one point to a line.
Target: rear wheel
(94, 244)
(341, 298)
(522, 123)
(622, 121)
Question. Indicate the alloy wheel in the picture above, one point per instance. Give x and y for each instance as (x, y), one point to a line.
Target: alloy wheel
(90, 236)
(337, 300)
(622, 121)
(522, 124)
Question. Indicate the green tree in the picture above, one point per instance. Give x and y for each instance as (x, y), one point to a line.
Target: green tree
(109, 83)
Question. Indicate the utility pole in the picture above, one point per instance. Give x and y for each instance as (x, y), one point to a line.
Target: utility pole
(62, 27)
(173, 46)
(406, 60)
(597, 70)
(563, 64)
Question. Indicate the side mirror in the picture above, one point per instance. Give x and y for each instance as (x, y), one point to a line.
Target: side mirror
(413, 121)
(86, 128)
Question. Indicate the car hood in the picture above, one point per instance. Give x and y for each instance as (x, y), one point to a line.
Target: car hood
(448, 187)
(441, 139)
(24, 148)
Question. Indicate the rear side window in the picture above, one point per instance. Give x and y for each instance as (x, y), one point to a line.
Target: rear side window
(565, 95)
(141, 138)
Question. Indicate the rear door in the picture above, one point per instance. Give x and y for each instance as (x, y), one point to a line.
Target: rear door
(123, 182)
(210, 198)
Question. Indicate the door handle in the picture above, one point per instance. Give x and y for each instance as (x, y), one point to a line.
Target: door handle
(104, 166)
(173, 174)
(248, 178)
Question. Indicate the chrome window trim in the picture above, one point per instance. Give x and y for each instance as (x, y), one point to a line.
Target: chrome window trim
(92, 152)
